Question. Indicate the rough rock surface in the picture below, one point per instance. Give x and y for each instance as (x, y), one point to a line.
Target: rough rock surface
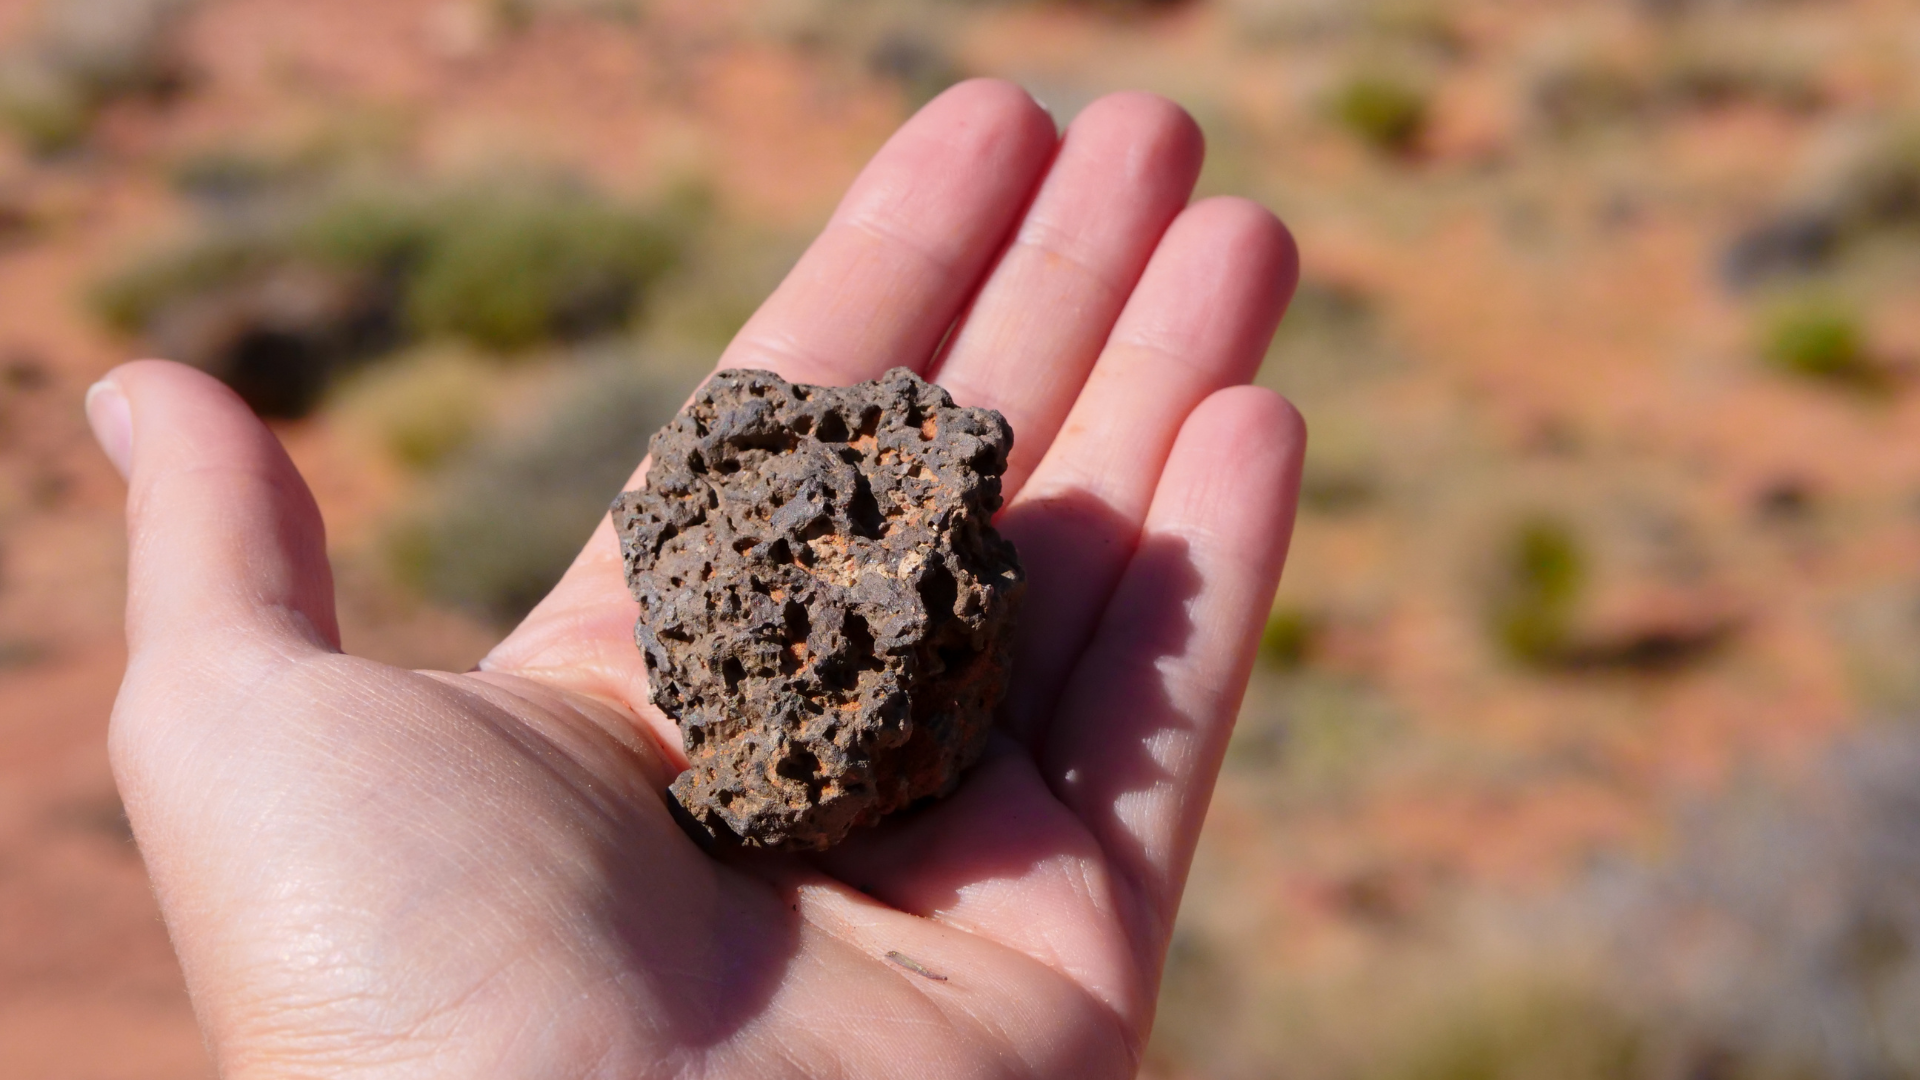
(825, 608)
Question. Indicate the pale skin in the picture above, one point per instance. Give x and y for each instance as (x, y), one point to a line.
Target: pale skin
(375, 872)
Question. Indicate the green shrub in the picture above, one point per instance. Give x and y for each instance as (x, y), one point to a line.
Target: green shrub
(80, 56)
(132, 298)
(1821, 341)
(1334, 490)
(506, 271)
(1544, 572)
(1385, 113)
(1288, 641)
(504, 266)
(44, 112)
(375, 232)
(425, 408)
(1526, 1033)
(507, 517)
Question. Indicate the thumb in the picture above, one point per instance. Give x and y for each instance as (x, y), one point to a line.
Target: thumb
(224, 539)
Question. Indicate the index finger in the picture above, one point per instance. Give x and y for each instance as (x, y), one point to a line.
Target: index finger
(910, 240)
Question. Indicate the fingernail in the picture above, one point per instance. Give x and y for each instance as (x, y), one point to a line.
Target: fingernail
(112, 422)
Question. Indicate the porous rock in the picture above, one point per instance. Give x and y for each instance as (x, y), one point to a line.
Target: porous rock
(825, 608)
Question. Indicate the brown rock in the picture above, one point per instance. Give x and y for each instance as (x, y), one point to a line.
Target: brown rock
(825, 608)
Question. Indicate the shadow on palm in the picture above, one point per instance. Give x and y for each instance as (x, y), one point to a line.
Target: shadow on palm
(1005, 824)
(1007, 816)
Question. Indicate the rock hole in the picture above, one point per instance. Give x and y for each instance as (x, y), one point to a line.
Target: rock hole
(793, 652)
(955, 657)
(833, 427)
(731, 672)
(863, 511)
(939, 591)
(860, 643)
(799, 764)
(773, 442)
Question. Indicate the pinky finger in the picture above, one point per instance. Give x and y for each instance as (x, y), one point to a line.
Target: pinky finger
(1144, 722)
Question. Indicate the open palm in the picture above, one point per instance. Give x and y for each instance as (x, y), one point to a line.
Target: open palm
(371, 872)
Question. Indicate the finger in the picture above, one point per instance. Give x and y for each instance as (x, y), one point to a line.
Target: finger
(1200, 320)
(1024, 347)
(877, 289)
(883, 282)
(1145, 718)
(225, 541)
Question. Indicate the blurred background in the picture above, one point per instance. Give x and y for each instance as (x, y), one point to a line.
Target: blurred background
(1583, 744)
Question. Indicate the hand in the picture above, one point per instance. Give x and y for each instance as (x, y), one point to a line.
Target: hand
(376, 872)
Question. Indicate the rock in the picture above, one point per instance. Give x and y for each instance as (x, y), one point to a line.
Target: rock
(825, 608)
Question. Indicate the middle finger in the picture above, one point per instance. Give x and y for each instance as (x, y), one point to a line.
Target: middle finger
(1126, 167)
(884, 280)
